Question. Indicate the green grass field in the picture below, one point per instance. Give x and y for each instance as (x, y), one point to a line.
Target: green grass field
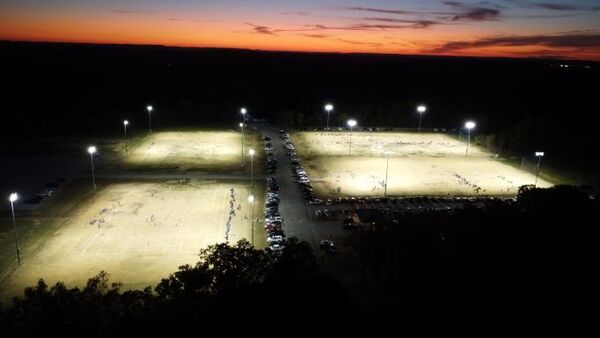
(419, 164)
(137, 231)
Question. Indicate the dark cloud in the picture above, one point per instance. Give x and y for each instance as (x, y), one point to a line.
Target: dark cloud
(261, 29)
(374, 44)
(552, 6)
(316, 36)
(413, 23)
(557, 6)
(466, 12)
(332, 38)
(478, 14)
(578, 41)
(379, 10)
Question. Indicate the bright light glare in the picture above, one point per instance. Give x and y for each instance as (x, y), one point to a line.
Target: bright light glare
(351, 123)
(539, 153)
(470, 125)
(251, 152)
(251, 198)
(13, 197)
(91, 149)
(241, 124)
(125, 123)
(421, 109)
(243, 110)
(149, 108)
(328, 107)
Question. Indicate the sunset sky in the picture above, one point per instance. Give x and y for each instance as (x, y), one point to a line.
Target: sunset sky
(516, 28)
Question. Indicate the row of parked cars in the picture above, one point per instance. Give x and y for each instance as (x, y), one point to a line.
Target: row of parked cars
(307, 189)
(271, 161)
(299, 171)
(273, 219)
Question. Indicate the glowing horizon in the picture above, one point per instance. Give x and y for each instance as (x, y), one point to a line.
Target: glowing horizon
(500, 28)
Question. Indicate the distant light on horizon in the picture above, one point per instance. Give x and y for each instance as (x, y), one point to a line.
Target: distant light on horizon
(470, 125)
(421, 109)
(351, 123)
(91, 149)
(149, 108)
(13, 197)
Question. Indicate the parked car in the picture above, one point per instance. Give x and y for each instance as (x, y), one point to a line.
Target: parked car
(327, 246)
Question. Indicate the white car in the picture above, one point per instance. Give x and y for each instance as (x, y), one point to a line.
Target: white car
(275, 238)
(274, 219)
(315, 201)
(276, 247)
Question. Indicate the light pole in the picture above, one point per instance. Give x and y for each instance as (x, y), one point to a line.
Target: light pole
(242, 154)
(469, 125)
(328, 108)
(539, 155)
(149, 108)
(351, 124)
(251, 153)
(421, 109)
(251, 201)
(92, 151)
(125, 124)
(12, 198)
(243, 125)
(387, 164)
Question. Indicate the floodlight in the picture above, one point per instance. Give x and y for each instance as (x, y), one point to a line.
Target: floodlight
(13, 197)
(539, 153)
(251, 152)
(149, 108)
(243, 110)
(91, 149)
(251, 198)
(328, 107)
(241, 124)
(470, 125)
(421, 109)
(351, 123)
(125, 123)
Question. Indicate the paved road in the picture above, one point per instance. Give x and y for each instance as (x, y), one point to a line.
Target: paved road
(293, 209)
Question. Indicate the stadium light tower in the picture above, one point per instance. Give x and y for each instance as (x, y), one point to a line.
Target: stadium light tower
(328, 108)
(251, 153)
(149, 109)
(539, 155)
(351, 124)
(469, 125)
(387, 165)
(243, 125)
(92, 151)
(242, 154)
(251, 201)
(13, 198)
(125, 124)
(421, 109)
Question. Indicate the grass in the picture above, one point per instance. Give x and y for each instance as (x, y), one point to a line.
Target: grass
(419, 164)
(139, 231)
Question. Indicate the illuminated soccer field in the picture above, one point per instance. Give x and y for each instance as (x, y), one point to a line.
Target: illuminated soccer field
(419, 164)
(189, 150)
(139, 232)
